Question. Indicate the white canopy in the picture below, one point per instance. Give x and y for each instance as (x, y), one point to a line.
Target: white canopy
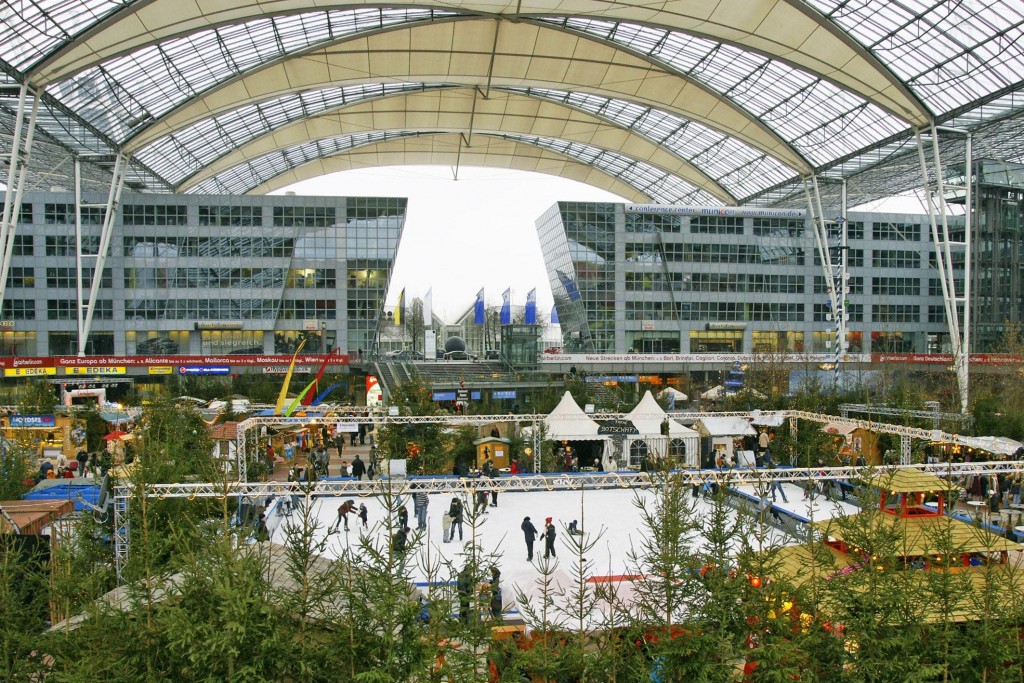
(672, 391)
(568, 422)
(648, 417)
(725, 426)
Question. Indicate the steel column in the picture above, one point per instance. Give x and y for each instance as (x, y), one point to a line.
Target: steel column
(17, 172)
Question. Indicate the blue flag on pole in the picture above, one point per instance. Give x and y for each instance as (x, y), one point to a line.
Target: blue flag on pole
(531, 307)
(554, 315)
(506, 307)
(478, 308)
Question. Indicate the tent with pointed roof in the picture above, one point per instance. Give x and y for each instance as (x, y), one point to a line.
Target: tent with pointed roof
(568, 422)
(648, 417)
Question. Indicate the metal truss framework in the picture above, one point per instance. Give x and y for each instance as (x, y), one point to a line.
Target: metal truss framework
(759, 478)
(957, 304)
(243, 438)
(936, 417)
(86, 309)
(17, 173)
(830, 240)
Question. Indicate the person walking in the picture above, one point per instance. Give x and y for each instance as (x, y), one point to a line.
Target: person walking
(549, 538)
(420, 500)
(455, 510)
(530, 534)
(358, 468)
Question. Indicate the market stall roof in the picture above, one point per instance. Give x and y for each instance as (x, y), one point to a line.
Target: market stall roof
(773, 418)
(909, 481)
(568, 422)
(32, 516)
(839, 428)
(920, 534)
(648, 417)
(724, 426)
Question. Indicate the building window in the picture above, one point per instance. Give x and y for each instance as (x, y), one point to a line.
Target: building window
(856, 285)
(653, 222)
(771, 341)
(68, 278)
(24, 245)
(936, 314)
(908, 232)
(24, 216)
(716, 225)
(21, 278)
(896, 313)
(64, 309)
(234, 342)
(895, 258)
(64, 245)
(779, 227)
(231, 215)
(154, 214)
(312, 278)
(746, 282)
(309, 309)
(304, 216)
(17, 343)
(18, 309)
(896, 286)
(716, 341)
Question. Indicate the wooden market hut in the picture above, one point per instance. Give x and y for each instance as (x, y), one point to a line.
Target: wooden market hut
(913, 507)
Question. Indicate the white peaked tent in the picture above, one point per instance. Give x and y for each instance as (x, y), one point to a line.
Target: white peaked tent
(568, 422)
(648, 417)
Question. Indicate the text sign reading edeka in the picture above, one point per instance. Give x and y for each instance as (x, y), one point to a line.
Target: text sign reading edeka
(103, 370)
(29, 372)
(204, 370)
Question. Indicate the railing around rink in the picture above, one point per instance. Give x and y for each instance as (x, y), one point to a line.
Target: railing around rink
(530, 482)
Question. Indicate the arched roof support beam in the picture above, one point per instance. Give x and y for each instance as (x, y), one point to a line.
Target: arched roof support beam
(443, 150)
(527, 55)
(453, 110)
(789, 30)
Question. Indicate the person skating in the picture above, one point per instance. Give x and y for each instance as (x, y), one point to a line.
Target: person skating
(549, 538)
(261, 532)
(455, 510)
(364, 515)
(530, 534)
(420, 500)
(343, 511)
(403, 516)
(497, 604)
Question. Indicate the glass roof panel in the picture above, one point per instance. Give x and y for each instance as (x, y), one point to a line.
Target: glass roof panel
(29, 30)
(125, 93)
(244, 177)
(187, 151)
(717, 155)
(660, 186)
(822, 121)
(949, 53)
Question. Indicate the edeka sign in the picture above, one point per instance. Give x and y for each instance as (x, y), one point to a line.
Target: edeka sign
(29, 372)
(101, 370)
(33, 420)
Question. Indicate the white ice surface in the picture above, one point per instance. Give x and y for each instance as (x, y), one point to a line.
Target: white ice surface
(609, 519)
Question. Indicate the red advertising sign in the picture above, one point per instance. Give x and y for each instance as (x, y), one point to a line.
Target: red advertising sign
(145, 360)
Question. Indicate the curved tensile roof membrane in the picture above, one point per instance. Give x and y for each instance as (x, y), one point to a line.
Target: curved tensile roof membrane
(683, 101)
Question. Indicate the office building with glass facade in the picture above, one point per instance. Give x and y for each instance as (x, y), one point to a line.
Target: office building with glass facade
(648, 279)
(203, 275)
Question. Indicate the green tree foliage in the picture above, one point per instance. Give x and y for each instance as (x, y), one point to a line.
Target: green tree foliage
(426, 445)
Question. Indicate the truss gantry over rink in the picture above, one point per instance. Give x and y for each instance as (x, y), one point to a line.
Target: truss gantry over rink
(245, 443)
(759, 478)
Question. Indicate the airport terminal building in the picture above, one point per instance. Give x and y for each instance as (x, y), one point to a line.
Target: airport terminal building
(203, 275)
(649, 279)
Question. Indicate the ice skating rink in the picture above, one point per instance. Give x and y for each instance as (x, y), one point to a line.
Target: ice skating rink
(611, 521)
